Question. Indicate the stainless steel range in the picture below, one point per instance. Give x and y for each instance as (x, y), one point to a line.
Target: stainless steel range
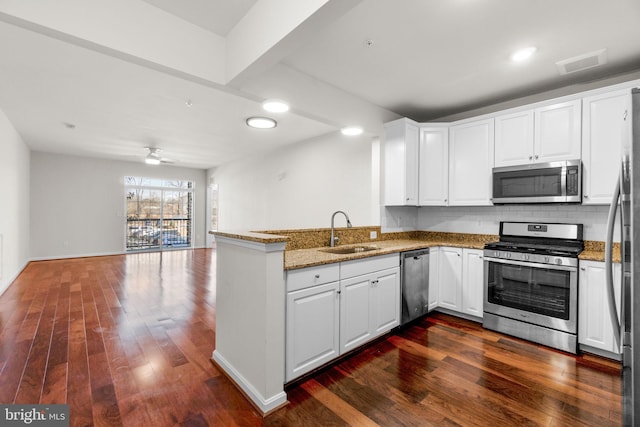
(531, 283)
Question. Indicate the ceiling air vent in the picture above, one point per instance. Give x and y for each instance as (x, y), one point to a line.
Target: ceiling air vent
(582, 62)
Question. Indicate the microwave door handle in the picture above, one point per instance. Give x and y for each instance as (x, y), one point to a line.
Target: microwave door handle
(608, 259)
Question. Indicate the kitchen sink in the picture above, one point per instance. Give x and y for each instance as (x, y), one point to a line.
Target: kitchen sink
(342, 250)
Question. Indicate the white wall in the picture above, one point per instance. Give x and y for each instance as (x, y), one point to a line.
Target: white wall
(301, 185)
(14, 203)
(77, 203)
(486, 219)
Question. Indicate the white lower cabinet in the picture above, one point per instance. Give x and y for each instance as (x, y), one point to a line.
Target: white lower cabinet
(459, 280)
(313, 325)
(355, 306)
(594, 322)
(335, 308)
(472, 282)
(450, 278)
(434, 254)
(370, 302)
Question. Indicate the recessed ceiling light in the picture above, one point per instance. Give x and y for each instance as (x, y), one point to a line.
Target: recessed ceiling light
(275, 106)
(522, 54)
(261, 122)
(351, 130)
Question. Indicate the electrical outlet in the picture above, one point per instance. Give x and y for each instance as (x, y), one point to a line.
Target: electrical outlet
(373, 235)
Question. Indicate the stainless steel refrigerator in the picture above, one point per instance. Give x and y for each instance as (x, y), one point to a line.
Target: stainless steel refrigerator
(627, 196)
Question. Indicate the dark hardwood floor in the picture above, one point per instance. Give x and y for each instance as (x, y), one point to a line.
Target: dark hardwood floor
(127, 340)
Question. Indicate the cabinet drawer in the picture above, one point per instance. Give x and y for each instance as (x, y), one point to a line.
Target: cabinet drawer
(358, 267)
(312, 276)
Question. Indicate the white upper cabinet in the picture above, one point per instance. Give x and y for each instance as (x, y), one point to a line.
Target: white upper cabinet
(603, 125)
(470, 162)
(433, 188)
(401, 163)
(556, 134)
(514, 138)
(544, 134)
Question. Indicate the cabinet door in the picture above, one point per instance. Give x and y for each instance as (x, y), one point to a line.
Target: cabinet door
(603, 126)
(470, 163)
(433, 187)
(401, 163)
(557, 132)
(514, 139)
(312, 328)
(433, 277)
(385, 304)
(594, 322)
(450, 278)
(472, 282)
(355, 309)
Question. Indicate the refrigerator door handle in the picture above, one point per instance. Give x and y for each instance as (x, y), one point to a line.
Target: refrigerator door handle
(608, 259)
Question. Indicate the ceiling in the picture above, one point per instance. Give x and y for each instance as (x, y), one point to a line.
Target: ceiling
(71, 84)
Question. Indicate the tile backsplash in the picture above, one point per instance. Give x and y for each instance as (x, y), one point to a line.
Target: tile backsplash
(486, 219)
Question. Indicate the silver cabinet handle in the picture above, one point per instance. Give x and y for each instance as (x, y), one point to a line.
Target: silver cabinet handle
(530, 157)
(317, 276)
(536, 157)
(586, 196)
(583, 269)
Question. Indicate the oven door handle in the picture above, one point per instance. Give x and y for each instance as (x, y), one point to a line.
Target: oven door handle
(532, 264)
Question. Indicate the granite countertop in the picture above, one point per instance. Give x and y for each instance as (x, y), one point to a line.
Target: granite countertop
(251, 236)
(301, 258)
(594, 251)
(300, 255)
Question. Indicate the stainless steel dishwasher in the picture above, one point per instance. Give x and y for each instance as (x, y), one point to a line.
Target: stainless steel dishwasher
(415, 284)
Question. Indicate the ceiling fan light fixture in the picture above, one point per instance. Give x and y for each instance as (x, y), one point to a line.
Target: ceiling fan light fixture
(275, 106)
(150, 160)
(261, 122)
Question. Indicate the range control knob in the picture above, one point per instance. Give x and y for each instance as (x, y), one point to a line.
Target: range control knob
(546, 259)
(525, 257)
(559, 261)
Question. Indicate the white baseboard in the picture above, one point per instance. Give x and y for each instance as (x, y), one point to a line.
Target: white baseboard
(5, 285)
(266, 405)
(52, 257)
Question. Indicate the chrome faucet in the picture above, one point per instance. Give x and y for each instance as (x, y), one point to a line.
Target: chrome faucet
(334, 239)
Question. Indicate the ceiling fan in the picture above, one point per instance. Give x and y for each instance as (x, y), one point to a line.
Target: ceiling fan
(153, 157)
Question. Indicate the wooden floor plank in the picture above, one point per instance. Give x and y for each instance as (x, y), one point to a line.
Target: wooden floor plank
(130, 340)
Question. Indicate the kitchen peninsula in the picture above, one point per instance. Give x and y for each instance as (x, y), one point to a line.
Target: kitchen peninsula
(251, 294)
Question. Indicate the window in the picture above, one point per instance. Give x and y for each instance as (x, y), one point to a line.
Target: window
(159, 213)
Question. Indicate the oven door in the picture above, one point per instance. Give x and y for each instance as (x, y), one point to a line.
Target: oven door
(541, 294)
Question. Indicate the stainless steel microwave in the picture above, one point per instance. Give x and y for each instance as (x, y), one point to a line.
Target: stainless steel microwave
(553, 182)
